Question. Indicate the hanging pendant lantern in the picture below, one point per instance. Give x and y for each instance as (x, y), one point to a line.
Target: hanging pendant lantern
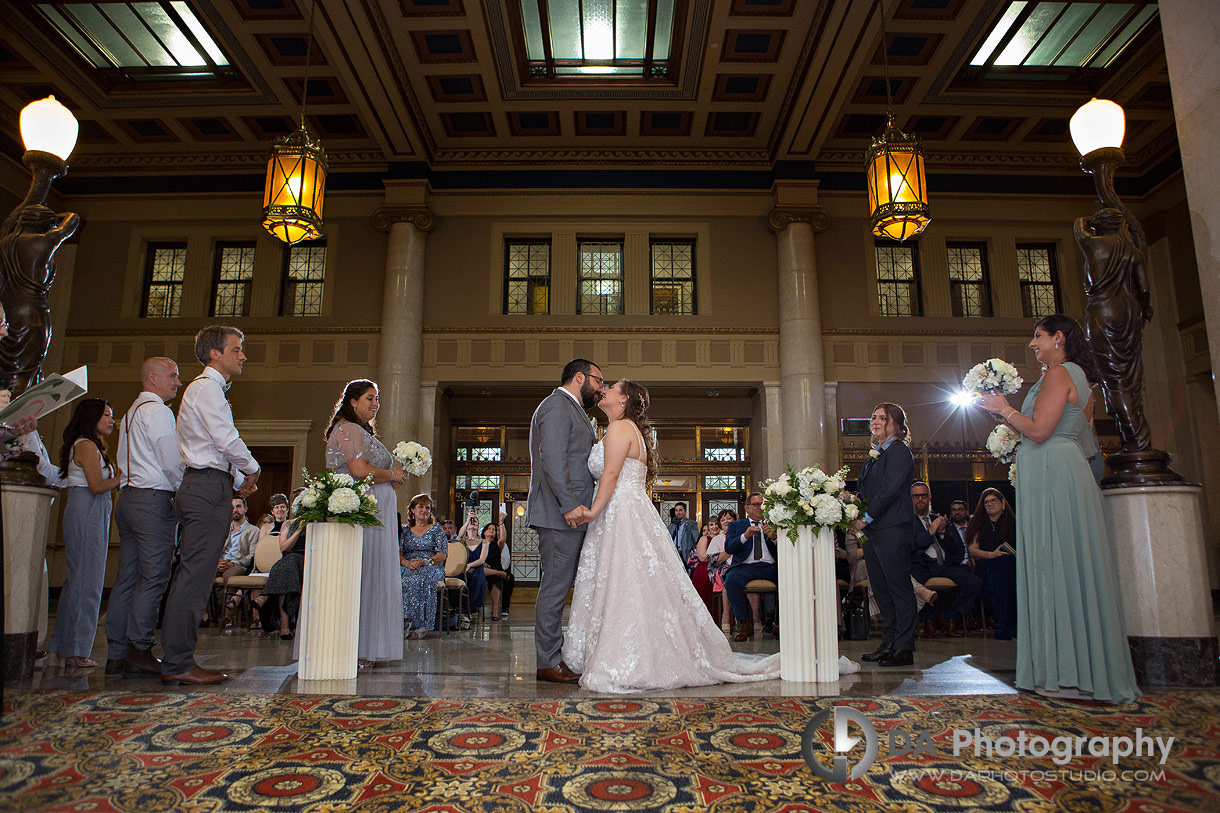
(897, 185)
(295, 187)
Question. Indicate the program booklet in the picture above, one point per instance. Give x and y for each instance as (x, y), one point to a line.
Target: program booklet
(46, 396)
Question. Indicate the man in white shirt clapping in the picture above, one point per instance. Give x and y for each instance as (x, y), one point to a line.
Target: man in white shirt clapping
(214, 454)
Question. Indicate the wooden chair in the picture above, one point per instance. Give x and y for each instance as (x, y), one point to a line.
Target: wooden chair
(942, 585)
(266, 553)
(455, 579)
(761, 587)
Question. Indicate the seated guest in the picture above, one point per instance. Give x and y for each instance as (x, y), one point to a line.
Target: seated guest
(696, 565)
(936, 556)
(498, 572)
(422, 549)
(477, 548)
(287, 576)
(752, 545)
(450, 529)
(238, 556)
(993, 525)
(270, 525)
(718, 568)
(959, 516)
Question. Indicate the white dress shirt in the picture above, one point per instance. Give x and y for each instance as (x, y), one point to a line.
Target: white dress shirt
(207, 437)
(767, 558)
(148, 452)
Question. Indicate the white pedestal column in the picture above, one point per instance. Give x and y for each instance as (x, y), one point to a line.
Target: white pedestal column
(401, 349)
(329, 626)
(27, 515)
(808, 608)
(1161, 561)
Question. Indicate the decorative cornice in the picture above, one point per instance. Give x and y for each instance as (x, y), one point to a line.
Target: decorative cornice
(815, 216)
(582, 157)
(144, 161)
(421, 219)
(524, 329)
(959, 160)
(251, 325)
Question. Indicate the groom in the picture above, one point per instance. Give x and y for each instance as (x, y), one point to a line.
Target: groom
(561, 488)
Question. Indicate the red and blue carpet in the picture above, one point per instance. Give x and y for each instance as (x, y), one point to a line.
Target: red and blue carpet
(114, 751)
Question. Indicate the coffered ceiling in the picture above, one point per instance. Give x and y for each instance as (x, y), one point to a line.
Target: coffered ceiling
(446, 84)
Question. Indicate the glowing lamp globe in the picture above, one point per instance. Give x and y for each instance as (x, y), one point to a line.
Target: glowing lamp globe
(295, 188)
(897, 185)
(1098, 125)
(48, 126)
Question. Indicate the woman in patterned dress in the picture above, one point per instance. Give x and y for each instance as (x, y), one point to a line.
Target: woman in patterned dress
(422, 550)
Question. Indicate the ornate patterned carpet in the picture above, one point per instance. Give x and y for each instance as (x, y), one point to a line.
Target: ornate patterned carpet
(106, 751)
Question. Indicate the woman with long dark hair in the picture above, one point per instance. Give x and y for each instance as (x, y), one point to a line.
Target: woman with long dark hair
(352, 448)
(991, 539)
(497, 570)
(91, 479)
(637, 621)
(1071, 641)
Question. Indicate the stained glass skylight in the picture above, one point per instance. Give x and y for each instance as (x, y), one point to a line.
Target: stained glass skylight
(1062, 34)
(575, 38)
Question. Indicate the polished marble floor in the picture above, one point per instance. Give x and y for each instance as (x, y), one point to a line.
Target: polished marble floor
(496, 659)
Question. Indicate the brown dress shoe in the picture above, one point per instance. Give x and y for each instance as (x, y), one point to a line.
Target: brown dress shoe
(568, 670)
(558, 674)
(929, 628)
(141, 662)
(196, 677)
(952, 630)
(744, 632)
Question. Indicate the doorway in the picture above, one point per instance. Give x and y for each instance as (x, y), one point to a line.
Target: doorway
(276, 478)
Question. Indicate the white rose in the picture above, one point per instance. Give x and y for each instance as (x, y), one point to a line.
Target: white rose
(874, 453)
(834, 485)
(780, 514)
(851, 511)
(344, 480)
(308, 498)
(343, 501)
(782, 488)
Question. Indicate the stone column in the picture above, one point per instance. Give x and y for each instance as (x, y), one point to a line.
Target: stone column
(801, 366)
(1190, 29)
(401, 351)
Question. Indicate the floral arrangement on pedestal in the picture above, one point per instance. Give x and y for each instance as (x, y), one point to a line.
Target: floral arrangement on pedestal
(413, 457)
(810, 497)
(1003, 443)
(335, 497)
(991, 376)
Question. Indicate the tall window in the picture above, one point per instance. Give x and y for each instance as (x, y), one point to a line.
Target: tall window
(233, 279)
(600, 281)
(673, 278)
(898, 279)
(527, 276)
(304, 273)
(1039, 280)
(969, 285)
(163, 274)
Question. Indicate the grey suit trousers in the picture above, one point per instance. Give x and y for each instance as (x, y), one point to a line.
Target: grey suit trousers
(888, 554)
(559, 551)
(147, 528)
(204, 505)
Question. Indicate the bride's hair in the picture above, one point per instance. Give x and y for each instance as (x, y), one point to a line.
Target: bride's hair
(636, 411)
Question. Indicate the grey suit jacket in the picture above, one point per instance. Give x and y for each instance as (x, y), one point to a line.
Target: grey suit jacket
(561, 436)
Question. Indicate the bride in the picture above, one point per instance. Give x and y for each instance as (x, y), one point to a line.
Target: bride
(637, 622)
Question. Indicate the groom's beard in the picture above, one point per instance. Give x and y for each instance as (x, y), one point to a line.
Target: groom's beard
(588, 395)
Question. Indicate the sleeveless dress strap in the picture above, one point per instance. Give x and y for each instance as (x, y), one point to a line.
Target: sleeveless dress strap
(643, 447)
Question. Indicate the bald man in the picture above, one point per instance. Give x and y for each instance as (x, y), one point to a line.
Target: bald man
(152, 470)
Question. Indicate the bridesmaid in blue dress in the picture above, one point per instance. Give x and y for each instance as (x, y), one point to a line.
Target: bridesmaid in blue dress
(422, 550)
(352, 448)
(1071, 641)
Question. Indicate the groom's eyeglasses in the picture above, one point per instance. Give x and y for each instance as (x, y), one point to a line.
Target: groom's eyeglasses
(601, 382)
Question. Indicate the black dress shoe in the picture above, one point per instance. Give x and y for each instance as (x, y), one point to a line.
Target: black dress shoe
(115, 666)
(883, 652)
(899, 657)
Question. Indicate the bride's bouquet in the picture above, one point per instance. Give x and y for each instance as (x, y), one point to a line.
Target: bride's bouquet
(991, 375)
(1003, 443)
(810, 497)
(335, 497)
(413, 457)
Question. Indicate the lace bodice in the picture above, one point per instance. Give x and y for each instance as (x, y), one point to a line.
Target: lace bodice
(348, 441)
(634, 472)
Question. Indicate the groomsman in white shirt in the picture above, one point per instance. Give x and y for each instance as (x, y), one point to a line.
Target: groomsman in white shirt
(213, 453)
(152, 471)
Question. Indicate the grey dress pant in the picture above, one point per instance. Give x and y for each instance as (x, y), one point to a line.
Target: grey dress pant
(559, 552)
(204, 505)
(888, 554)
(86, 527)
(147, 529)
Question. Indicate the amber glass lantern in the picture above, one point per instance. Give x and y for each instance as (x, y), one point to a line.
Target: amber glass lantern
(897, 185)
(295, 187)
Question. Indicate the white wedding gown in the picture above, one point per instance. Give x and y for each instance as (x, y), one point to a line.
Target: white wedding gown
(636, 621)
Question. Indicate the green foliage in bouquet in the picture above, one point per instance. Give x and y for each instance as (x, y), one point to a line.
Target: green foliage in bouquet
(810, 498)
(334, 497)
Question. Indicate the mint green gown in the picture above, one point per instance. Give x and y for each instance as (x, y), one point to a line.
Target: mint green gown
(1070, 630)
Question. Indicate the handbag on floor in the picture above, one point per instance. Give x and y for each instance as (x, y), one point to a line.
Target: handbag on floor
(855, 616)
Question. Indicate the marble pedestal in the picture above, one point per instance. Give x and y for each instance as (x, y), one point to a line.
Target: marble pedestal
(27, 518)
(329, 626)
(1167, 608)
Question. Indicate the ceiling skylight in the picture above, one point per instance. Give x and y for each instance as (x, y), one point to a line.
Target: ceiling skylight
(1062, 35)
(597, 37)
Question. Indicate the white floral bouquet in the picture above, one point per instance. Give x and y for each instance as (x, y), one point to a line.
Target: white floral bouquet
(992, 375)
(810, 497)
(413, 457)
(334, 497)
(1003, 443)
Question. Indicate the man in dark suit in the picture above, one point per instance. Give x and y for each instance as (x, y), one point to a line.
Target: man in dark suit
(938, 554)
(959, 518)
(885, 483)
(751, 543)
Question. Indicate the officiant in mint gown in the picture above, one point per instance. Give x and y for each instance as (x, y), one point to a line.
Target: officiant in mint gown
(1071, 640)
(352, 448)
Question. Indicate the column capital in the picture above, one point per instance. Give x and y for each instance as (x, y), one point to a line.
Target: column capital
(780, 218)
(421, 218)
